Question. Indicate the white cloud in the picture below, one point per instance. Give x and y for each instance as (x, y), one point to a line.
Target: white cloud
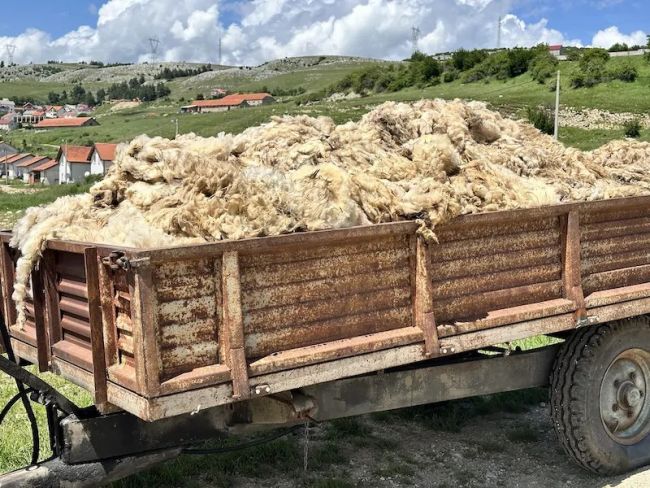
(266, 29)
(610, 36)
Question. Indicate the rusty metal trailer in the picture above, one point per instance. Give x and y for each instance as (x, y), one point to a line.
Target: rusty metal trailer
(342, 322)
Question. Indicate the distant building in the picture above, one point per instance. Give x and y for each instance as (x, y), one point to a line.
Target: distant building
(229, 102)
(74, 163)
(54, 111)
(102, 157)
(555, 49)
(7, 122)
(7, 106)
(46, 172)
(66, 122)
(9, 165)
(6, 149)
(24, 167)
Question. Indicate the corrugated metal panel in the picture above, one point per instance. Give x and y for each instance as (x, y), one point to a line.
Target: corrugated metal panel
(480, 268)
(187, 313)
(615, 249)
(324, 293)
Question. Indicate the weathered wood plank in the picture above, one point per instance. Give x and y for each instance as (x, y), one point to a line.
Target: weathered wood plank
(423, 297)
(571, 279)
(100, 379)
(42, 336)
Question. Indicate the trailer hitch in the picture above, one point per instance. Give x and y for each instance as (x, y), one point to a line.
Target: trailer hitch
(117, 260)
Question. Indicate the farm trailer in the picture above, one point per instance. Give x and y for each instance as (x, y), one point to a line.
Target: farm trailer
(181, 344)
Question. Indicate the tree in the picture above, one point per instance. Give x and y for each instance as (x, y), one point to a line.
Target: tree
(78, 94)
(543, 66)
(53, 98)
(100, 96)
(199, 96)
(2, 64)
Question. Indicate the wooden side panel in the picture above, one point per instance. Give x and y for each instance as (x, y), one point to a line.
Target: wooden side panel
(615, 249)
(325, 292)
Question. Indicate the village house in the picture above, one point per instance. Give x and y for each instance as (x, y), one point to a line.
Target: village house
(7, 122)
(68, 122)
(6, 149)
(24, 167)
(229, 102)
(7, 106)
(102, 157)
(74, 163)
(46, 172)
(9, 165)
(54, 111)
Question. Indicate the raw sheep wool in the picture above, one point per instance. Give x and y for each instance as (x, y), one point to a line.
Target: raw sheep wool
(428, 161)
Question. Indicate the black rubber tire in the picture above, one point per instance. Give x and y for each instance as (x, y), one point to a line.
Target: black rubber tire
(575, 396)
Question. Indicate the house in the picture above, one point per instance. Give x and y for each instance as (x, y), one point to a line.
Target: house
(555, 49)
(74, 163)
(46, 172)
(66, 122)
(230, 102)
(7, 106)
(24, 167)
(102, 157)
(7, 122)
(54, 111)
(9, 165)
(6, 149)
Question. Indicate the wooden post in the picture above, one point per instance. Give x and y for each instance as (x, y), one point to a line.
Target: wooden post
(42, 340)
(96, 333)
(7, 285)
(571, 276)
(423, 298)
(233, 329)
(109, 328)
(48, 266)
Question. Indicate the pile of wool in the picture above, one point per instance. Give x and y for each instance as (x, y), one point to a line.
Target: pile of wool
(429, 161)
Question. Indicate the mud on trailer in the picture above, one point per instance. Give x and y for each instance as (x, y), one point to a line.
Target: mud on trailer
(182, 344)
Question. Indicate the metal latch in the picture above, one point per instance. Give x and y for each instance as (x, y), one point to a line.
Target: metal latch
(117, 260)
(585, 321)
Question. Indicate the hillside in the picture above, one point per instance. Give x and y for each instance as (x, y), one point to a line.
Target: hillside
(317, 73)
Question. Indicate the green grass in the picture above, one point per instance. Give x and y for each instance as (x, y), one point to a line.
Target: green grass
(42, 195)
(15, 435)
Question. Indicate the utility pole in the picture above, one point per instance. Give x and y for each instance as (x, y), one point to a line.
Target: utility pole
(175, 121)
(4, 151)
(557, 106)
(219, 62)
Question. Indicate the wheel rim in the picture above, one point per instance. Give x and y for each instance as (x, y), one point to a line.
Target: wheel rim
(624, 407)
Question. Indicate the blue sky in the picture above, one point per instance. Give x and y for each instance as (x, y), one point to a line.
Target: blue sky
(575, 18)
(254, 31)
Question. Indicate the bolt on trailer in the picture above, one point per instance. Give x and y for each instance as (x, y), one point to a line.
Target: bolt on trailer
(185, 343)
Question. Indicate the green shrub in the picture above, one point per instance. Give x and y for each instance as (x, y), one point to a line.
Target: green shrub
(450, 75)
(627, 73)
(542, 118)
(632, 128)
(464, 60)
(543, 66)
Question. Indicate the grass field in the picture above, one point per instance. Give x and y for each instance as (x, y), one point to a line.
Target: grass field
(511, 96)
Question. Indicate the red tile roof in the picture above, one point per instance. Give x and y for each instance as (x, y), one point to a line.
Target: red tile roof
(6, 119)
(555, 47)
(63, 122)
(106, 150)
(75, 154)
(11, 158)
(31, 161)
(231, 100)
(50, 163)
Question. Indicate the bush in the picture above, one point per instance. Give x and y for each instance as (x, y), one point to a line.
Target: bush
(464, 60)
(632, 128)
(543, 66)
(542, 118)
(627, 73)
(450, 75)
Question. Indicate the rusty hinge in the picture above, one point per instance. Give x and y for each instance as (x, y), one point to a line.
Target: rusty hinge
(117, 260)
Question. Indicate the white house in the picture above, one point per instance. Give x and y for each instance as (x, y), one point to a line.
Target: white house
(24, 167)
(46, 172)
(74, 163)
(9, 165)
(102, 157)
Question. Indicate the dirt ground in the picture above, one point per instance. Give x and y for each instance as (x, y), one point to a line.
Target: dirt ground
(440, 447)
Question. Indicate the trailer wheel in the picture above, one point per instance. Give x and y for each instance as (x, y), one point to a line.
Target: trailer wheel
(599, 404)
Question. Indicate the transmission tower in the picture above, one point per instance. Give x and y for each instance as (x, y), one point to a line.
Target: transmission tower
(499, 33)
(415, 38)
(154, 43)
(11, 49)
(219, 63)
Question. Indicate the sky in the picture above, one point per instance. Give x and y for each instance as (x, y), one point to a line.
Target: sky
(254, 31)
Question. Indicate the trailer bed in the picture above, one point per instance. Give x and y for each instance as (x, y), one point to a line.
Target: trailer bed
(163, 332)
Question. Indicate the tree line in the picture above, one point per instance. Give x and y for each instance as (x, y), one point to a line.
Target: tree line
(134, 88)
